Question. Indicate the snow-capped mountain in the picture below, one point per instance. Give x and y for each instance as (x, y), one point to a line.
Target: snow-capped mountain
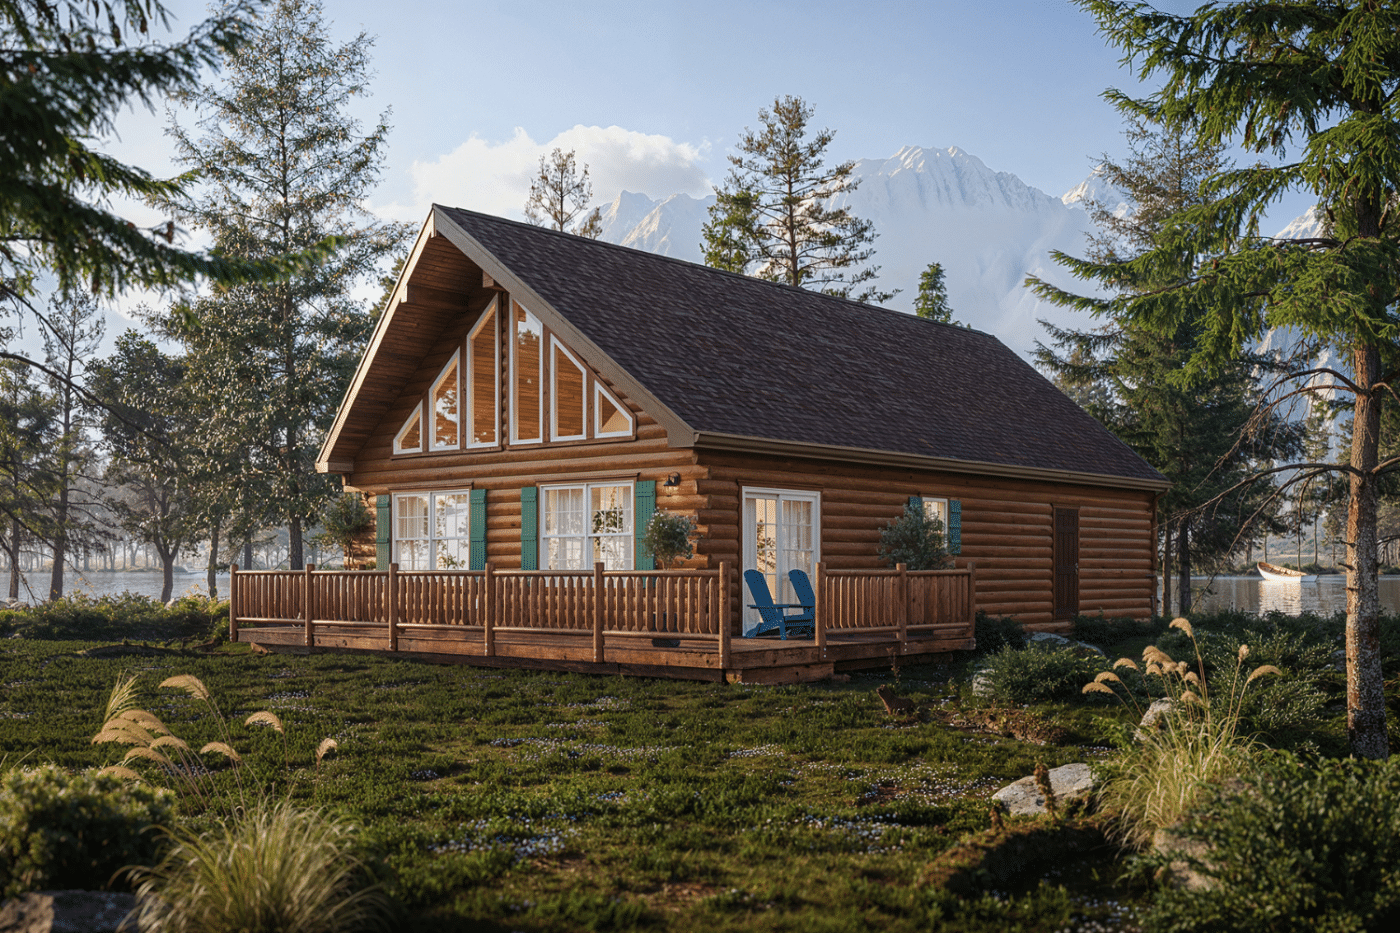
(988, 229)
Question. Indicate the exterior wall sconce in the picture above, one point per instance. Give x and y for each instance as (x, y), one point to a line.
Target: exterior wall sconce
(672, 481)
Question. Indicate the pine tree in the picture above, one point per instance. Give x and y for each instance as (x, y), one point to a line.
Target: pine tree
(560, 193)
(773, 215)
(932, 300)
(284, 167)
(1319, 77)
(1188, 425)
(69, 67)
(26, 423)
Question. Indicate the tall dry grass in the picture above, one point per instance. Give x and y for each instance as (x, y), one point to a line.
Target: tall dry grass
(276, 869)
(1163, 775)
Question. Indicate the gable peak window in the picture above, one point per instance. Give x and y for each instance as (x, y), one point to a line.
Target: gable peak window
(409, 440)
(567, 382)
(446, 402)
(526, 353)
(610, 417)
(484, 378)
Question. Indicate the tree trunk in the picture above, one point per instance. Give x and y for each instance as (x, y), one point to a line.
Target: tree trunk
(60, 542)
(1366, 726)
(1183, 550)
(295, 554)
(14, 558)
(167, 574)
(1167, 552)
(213, 576)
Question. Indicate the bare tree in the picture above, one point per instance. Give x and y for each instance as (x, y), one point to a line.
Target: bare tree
(560, 193)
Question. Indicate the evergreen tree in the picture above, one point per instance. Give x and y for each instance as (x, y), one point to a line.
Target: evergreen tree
(26, 424)
(560, 193)
(284, 167)
(1189, 426)
(773, 214)
(72, 332)
(69, 67)
(1321, 77)
(932, 300)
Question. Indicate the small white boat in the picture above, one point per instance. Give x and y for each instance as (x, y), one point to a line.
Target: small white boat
(1277, 574)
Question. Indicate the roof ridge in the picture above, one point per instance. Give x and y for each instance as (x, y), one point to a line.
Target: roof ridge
(960, 328)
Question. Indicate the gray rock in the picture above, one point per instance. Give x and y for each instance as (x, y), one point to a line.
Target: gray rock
(1067, 782)
(981, 683)
(1051, 640)
(68, 912)
(1179, 872)
(1154, 718)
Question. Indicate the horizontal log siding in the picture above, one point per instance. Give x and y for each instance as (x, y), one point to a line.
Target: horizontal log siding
(1006, 528)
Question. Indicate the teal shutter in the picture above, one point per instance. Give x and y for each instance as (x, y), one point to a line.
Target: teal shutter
(954, 526)
(530, 528)
(477, 556)
(643, 507)
(916, 503)
(383, 532)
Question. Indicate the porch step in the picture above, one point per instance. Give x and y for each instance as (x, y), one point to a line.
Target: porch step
(786, 674)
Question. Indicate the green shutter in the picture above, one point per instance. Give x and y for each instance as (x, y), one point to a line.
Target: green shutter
(477, 557)
(383, 532)
(954, 526)
(916, 503)
(643, 506)
(530, 528)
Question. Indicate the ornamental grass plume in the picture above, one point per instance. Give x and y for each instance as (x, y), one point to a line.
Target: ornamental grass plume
(1163, 775)
(278, 868)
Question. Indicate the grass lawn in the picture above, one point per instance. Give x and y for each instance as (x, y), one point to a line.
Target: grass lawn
(512, 800)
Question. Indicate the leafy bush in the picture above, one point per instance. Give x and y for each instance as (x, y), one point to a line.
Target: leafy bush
(1101, 630)
(1297, 848)
(74, 831)
(1036, 674)
(277, 868)
(668, 537)
(128, 616)
(915, 538)
(993, 633)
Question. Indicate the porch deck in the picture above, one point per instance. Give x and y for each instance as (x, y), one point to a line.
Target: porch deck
(677, 624)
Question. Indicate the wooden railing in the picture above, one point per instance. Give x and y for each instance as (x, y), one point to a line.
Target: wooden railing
(667, 606)
(899, 602)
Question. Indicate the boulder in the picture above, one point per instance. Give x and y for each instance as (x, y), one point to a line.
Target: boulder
(1051, 640)
(1154, 718)
(1067, 782)
(1180, 871)
(68, 912)
(981, 683)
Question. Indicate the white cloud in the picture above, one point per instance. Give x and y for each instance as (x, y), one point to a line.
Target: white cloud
(494, 177)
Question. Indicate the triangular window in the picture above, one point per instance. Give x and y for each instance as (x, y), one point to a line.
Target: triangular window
(610, 417)
(569, 382)
(446, 407)
(410, 436)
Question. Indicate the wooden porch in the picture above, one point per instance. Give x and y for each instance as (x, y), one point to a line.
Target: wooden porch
(679, 623)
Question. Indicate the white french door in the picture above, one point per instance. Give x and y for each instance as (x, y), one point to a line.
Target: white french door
(782, 532)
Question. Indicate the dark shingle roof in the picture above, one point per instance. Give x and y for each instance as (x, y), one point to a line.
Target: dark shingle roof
(739, 356)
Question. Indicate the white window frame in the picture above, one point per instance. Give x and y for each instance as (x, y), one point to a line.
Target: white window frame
(750, 551)
(942, 502)
(598, 431)
(432, 404)
(432, 538)
(470, 385)
(515, 378)
(554, 435)
(408, 422)
(588, 536)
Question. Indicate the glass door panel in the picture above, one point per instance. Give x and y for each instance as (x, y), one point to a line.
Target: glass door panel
(780, 534)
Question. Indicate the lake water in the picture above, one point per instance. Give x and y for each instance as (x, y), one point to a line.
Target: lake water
(1254, 594)
(107, 583)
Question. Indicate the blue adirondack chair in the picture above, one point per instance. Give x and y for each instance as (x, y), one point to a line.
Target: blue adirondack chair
(774, 617)
(802, 589)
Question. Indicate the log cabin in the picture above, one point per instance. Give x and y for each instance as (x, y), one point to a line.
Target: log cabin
(529, 398)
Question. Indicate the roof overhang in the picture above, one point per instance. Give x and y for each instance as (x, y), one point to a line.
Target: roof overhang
(767, 446)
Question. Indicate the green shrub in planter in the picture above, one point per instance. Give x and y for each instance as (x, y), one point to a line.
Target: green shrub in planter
(60, 830)
(1293, 848)
(1038, 675)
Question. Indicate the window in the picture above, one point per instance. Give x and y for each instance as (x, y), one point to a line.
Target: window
(610, 418)
(587, 523)
(567, 380)
(781, 533)
(445, 400)
(937, 508)
(432, 531)
(410, 437)
(525, 352)
(484, 378)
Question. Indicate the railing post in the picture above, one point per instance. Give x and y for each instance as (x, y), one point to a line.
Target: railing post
(391, 598)
(308, 604)
(488, 624)
(722, 617)
(598, 612)
(233, 602)
(819, 610)
(903, 599)
(972, 594)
